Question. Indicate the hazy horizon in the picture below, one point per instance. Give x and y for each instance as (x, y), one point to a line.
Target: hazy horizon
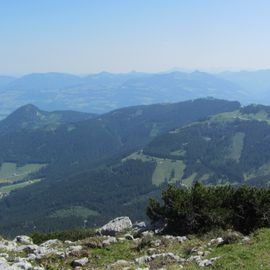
(84, 37)
(175, 69)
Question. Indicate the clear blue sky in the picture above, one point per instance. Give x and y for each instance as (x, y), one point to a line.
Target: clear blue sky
(86, 36)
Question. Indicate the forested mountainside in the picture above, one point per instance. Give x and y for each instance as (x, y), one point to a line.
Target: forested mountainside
(65, 182)
(97, 138)
(230, 148)
(227, 148)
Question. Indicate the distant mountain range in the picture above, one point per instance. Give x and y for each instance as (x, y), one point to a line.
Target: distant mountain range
(103, 92)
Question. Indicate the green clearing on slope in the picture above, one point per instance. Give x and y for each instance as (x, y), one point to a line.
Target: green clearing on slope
(232, 116)
(8, 188)
(261, 171)
(189, 180)
(236, 147)
(166, 169)
(10, 172)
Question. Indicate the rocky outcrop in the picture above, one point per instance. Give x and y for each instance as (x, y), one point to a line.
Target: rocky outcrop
(162, 250)
(115, 226)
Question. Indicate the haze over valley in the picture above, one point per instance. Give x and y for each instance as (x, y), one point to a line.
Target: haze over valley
(103, 92)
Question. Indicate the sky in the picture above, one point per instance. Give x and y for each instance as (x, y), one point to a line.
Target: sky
(89, 36)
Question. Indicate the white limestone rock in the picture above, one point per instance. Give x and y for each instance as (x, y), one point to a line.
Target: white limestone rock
(115, 226)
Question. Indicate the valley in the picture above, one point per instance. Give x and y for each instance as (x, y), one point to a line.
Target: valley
(79, 151)
(96, 170)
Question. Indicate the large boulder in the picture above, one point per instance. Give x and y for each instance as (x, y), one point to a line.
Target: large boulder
(115, 226)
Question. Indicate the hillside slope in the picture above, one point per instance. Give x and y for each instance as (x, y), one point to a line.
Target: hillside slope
(226, 148)
(71, 152)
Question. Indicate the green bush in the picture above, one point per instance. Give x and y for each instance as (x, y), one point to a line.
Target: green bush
(200, 209)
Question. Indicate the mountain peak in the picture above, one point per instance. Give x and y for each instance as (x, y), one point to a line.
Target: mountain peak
(26, 112)
(28, 108)
(22, 117)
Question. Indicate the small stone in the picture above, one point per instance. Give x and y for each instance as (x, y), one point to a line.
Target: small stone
(148, 234)
(245, 239)
(129, 237)
(23, 265)
(219, 240)
(216, 241)
(4, 255)
(79, 262)
(156, 243)
(139, 225)
(181, 239)
(151, 251)
(205, 263)
(109, 241)
(169, 255)
(168, 237)
(75, 248)
(51, 243)
(3, 263)
(118, 264)
(68, 242)
(32, 257)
